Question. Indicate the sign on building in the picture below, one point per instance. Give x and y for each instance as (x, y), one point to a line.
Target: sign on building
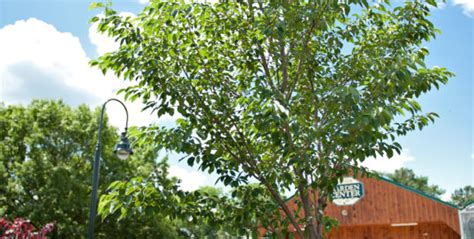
(348, 192)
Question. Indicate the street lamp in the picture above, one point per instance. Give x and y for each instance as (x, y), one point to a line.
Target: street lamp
(122, 150)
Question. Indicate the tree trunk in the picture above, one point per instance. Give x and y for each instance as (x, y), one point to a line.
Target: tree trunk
(315, 231)
(285, 208)
(321, 205)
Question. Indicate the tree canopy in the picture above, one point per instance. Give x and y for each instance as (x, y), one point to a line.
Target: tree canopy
(407, 177)
(290, 93)
(463, 196)
(46, 149)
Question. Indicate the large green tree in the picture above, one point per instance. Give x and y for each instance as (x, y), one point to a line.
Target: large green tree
(46, 149)
(289, 93)
(407, 177)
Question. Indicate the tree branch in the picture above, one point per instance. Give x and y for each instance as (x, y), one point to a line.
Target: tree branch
(285, 208)
(284, 65)
(302, 58)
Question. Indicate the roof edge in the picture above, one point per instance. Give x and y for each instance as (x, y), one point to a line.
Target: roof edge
(380, 177)
(421, 193)
(467, 204)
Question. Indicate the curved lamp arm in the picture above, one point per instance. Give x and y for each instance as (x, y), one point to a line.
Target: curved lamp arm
(102, 116)
(95, 175)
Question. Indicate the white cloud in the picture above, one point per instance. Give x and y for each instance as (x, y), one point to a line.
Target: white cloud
(384, 164)
(441, 4)
(190, 179)
(467, 5)
(102, 43)
(446, 196)
(39, 62)
(144, 1)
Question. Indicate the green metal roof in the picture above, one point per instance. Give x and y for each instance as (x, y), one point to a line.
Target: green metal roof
(469, 203)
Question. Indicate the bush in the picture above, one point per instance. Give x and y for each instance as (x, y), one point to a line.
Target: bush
(23, 229)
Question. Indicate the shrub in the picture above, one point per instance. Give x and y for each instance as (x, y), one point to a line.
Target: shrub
(23, 229)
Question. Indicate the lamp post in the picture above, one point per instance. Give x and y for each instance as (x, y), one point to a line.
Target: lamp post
(122, 150)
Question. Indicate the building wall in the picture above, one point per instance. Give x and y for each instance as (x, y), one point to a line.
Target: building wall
(421, 231)
(386, 203)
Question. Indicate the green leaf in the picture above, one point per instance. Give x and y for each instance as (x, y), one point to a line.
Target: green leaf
(95, 5)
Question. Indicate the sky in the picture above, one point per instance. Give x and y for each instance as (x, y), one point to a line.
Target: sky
(45, 46)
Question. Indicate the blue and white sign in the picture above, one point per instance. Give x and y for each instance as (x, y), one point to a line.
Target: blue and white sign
(348, 192)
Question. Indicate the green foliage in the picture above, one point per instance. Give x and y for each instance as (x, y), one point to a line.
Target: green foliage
(290, 93)
(46, 149)
(463, 196)
(204, 212)
(407, 177)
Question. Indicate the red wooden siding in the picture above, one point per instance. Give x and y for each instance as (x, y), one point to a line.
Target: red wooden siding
(421, 231)
(386, 203)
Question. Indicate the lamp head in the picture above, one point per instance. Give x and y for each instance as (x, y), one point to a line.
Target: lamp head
(123, 148)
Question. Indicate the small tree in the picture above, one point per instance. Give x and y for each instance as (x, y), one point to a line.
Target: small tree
(463, 196)
(407, 177)
(290, 93)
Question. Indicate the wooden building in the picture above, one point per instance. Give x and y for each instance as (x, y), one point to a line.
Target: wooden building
(389, 210)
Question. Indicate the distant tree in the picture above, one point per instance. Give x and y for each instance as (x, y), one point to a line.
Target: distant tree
(289, 93)
(210, 190)
(407, 177)
(462, 196)
(46, 149)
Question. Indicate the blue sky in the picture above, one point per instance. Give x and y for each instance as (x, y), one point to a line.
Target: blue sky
(45, 46)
